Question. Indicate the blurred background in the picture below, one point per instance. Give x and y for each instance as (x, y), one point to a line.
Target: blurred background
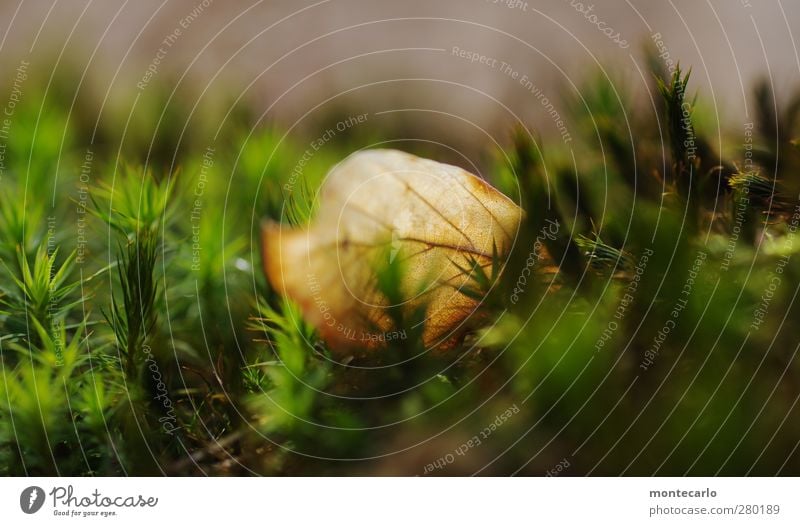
(294, 61)
(142, 144)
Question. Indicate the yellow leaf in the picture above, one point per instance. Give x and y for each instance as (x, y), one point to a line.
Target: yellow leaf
(386, 207)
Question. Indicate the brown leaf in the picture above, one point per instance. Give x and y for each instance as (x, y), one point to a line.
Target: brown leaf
(382, 207)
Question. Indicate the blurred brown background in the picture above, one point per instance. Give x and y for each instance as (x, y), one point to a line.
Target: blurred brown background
(295, 57)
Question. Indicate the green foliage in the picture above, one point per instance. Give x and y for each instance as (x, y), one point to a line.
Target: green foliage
(603, 256)
(293, 373)
(20, 222)
(41, 292)
(182, 360)
(134, 316)
(679, 119)
(133, 203)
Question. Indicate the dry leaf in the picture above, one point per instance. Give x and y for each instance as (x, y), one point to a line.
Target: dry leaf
(381, 207)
